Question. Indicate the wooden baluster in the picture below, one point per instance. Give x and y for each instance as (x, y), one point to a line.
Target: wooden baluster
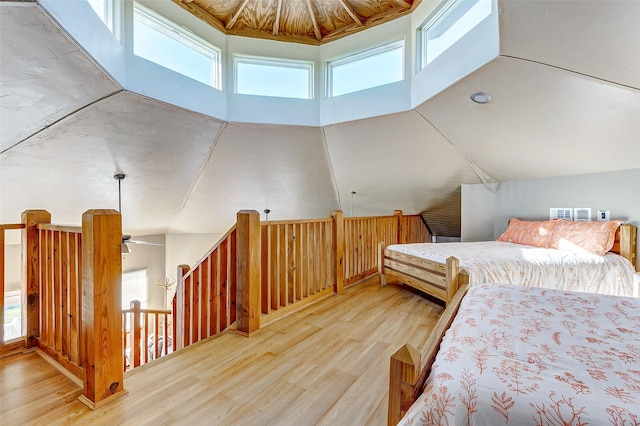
(101, 306)
(205, 300)
(197, 304)
(397, 214)
(179, 309)
(64, 280)
(31, 271)
(233, 279)
(135, 332)
(248, 271)
(337, 245)
(145, 341)
(166, 334)
(224, 289)
(188, 307)
(156, 337)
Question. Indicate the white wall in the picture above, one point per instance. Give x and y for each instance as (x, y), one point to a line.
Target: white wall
(187, 249)
(531, 199)
(477, 215)
(151, 258)
(12, 267)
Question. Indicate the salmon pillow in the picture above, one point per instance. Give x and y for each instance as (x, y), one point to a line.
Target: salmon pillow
(594, 237)
(528, 232)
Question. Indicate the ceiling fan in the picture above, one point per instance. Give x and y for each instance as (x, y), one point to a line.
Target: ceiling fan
(126, 239)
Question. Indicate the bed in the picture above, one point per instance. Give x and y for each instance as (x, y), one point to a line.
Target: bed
(556, 255)
(524, 355)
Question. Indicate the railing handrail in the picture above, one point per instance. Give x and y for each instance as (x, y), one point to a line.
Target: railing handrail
(295, 221)
(60, 228)
(147, 311)
(369, 217)
(8, 226)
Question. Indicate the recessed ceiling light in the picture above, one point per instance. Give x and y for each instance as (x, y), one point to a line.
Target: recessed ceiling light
(481, 98)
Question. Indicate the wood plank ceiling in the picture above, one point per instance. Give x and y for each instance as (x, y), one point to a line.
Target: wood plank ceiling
(300, 21)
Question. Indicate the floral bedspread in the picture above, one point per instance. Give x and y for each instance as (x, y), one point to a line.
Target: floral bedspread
(503, 262)
(520, 355)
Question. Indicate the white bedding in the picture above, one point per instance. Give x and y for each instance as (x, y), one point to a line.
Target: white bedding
(518, 356)
(502, 262)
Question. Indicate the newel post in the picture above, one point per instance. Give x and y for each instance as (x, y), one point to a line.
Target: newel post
(337, 246)
(248, 272)
(403, 375)
(31, 272)
(178, 308)
(101, 307)
(398, 215)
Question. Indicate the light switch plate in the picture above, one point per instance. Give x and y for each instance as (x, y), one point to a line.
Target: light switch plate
(604, 215)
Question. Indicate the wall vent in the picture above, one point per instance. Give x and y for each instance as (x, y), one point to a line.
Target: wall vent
(582, 214)
(561, 213)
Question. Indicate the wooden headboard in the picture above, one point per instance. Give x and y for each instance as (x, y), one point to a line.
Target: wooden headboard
(626, 242)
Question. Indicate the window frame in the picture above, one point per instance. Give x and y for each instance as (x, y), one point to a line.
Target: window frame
(108, 12)
(358, 56)
(181, 35)
(441, 10)
(309, 66)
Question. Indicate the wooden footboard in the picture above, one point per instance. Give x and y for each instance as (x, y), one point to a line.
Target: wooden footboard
(440, 280)
(407, 374)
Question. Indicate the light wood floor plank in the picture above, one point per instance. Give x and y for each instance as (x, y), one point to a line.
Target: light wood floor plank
(325, 364)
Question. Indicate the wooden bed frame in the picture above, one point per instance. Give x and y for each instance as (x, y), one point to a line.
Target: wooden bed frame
(407, 373)
(442, 280)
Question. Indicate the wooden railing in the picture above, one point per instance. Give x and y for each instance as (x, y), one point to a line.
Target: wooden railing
(71, 280)
(147, 335)
(205, 301)
(60, 283)
(363, 234)
(413, 230)
(298, 262)
(14, 344)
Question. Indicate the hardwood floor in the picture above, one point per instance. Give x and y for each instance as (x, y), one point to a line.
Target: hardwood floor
(327, 364)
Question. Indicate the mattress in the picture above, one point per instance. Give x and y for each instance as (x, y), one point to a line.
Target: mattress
(503, 262)
(520, 355)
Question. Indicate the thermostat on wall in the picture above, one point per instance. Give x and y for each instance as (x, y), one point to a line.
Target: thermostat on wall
(604, 215)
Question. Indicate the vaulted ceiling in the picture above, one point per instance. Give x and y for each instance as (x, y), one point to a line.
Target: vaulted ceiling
(566, 91)
(302, 21)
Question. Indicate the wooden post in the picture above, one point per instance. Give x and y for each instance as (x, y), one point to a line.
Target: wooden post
(31, 272)
(178, 308)
(135, 332)
(338, 249)
(628, 249)
(452, 278)
(404, 372)
(398, 215)
(248, 272)
(383, 277)
(101, 307)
